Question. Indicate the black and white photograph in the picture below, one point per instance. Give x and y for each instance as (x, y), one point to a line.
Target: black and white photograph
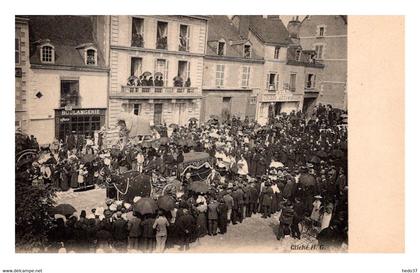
(181, 134)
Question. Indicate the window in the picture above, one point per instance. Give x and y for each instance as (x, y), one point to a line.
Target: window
(184, 38)
(277, 52)
(221, 48)
(247, 51)
(17, 50)
(183, 77)
(321, 31)
(137, 109)
(272, 81)
(246, 71)
(253, 100)
(137, 32)
(292, 82)
(136, 65)
(91, 57)
(297, 56)
(319, 49)
(161, 70)
(162, 35)
(310, 81)
(220, 74)
(69, 94)
(47, 54)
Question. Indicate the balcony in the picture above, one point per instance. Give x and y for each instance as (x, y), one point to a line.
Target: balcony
(157, 92)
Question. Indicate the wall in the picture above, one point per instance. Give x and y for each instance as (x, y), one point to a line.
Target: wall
(333, 87)
(233, 74)
(92, 90)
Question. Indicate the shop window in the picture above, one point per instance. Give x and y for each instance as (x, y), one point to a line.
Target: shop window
(310, 81)
(221, 48)
(91, 57)
(162, 35)
(184, 39)
(137, 32)
(220, 75)
(277, 52)
(247, 51)
(47, 54)
(69, 94)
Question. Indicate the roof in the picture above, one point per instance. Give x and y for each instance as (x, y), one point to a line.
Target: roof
(221, 27)
(269, 30)
(66, 34)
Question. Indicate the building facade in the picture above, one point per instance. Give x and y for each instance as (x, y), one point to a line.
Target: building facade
(21, 73)
(68, 78)
(285, 75)
(156, 67)
(233, 73)
(327, 36)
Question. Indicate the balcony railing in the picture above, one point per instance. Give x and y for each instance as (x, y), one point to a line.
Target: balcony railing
(279, 96)
(157, 92)
(311, 90)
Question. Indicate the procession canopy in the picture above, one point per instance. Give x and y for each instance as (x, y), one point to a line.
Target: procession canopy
(197, 163)
(136, 125)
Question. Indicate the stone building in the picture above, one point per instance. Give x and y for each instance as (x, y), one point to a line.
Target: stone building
(233, 72)
(21, 73)
(327, 36)
(156, 67)
(67, 79)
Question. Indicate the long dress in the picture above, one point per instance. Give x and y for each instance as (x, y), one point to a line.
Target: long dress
(201, 221)
(73, 178)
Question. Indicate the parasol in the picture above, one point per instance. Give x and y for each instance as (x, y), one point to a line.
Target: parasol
(63, 209)
(166, 203)
(199, 187)
(307, 180)
(315, 160)
(88, 158)
(145, 206)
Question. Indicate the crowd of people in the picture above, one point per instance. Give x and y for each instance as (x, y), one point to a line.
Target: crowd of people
(295, 165)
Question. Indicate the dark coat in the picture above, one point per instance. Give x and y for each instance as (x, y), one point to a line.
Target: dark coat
(119, 229)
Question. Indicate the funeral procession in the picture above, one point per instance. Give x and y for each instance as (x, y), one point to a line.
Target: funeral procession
(181, 133)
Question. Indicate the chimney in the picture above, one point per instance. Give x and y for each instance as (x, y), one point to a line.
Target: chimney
(241, 22)
(294, 27)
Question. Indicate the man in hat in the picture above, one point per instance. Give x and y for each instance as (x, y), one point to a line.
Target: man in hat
(120, 232)
(286, 220)
(229, 204)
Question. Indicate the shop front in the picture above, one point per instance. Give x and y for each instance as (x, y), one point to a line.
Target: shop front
(79, 122)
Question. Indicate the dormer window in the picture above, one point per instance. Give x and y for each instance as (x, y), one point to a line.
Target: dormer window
(247, 51)
(297, 55)
(90, 56)
(221, 48)
(47, 53)
(320, 30)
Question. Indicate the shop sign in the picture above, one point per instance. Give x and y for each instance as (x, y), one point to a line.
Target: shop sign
(80, 112)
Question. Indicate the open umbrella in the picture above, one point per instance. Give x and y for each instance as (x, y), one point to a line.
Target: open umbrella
(307, 180)
(315, 160)
(173, 125)
(146, 74)
(63, 209)
(322, 154)
(88, 158)
(166, 203)
(145, 206)
(199, 187)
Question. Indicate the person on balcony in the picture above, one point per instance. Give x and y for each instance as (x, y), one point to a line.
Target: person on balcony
(150, 81)
(188, 82)
(178, 81)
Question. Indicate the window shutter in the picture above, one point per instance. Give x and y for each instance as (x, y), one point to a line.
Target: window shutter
(268, 81)
(313, 81)
(277, 81)
(188, 39)
(166, 72)
(188, 69)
